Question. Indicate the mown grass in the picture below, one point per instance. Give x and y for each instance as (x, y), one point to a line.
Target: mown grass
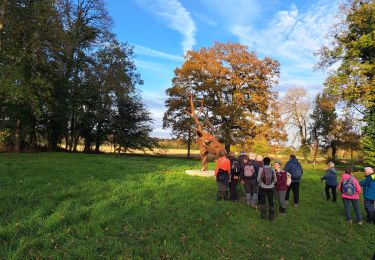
(77, 206)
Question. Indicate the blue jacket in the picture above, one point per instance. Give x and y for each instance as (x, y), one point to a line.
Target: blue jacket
(295, 169)
(368, 185)
(330, 177)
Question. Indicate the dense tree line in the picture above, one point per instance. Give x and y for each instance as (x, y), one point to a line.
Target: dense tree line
(352, 47)
(64, 78)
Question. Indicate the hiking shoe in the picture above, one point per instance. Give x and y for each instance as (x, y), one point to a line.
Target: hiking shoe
(296, 205)
(349, 221)
(360, 223)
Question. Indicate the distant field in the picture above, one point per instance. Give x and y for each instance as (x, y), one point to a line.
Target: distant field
(156, 151)
(79, 206)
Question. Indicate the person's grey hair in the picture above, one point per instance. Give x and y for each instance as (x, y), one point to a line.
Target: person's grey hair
(331, 164)
(251, 156)
(369, 170)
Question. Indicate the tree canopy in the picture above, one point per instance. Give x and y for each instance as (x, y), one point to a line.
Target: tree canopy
(352, 47)
(64, 78)
(236, 87)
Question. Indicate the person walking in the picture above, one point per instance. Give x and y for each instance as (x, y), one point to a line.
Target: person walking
(249, 178)
(266, 179)
(295, 169)
(350, 190)
(368, 185)
(235, 170)
(331, 181)
(222, 174)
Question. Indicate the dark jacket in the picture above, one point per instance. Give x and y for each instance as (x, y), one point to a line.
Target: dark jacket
(235, 171)
(368, 185)
(330, 177)
(295, 169)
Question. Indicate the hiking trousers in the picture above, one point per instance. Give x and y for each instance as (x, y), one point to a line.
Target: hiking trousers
(280, 195)
(333, 190)
(294, 186)
(233, 190)
(370, 210)
(263, 196)
(222, 190)
(357, 211)
(251, 189)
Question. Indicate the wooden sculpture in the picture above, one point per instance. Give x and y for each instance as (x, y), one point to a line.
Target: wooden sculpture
(207, 143)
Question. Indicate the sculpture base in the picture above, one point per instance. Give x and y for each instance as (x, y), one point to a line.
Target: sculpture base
(201, 173)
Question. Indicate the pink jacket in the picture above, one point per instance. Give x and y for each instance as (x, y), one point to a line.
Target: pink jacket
(346, 176)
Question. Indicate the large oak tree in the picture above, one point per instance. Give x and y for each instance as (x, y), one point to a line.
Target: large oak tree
(236, 87)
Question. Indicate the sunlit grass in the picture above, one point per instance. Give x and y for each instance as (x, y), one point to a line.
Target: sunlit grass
(81, 206)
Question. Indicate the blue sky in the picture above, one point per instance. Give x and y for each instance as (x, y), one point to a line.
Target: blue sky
(163, 30)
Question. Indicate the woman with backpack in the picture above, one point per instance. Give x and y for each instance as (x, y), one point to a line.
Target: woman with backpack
(266, 179)
(235, 170)
(222, 175)
(350, 190)
(248, 175)
(294, 167)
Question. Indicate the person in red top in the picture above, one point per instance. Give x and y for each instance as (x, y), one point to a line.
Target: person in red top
(222, 174)
(281, 186)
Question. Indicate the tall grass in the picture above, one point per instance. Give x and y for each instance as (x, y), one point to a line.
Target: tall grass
(78, 206)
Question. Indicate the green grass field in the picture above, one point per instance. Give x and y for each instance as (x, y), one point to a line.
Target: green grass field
(78, 206)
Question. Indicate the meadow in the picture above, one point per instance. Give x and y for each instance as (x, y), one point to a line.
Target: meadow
(80, 206)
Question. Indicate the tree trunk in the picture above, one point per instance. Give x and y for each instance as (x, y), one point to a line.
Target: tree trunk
(227, 148)
(75, 143)
(189, 144)
(334, 149)
(66, 142)
(97, 139)
(87, 147)
(17, 137)
(33, 141)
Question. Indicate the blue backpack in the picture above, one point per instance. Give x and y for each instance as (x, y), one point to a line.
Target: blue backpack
(296, 171)
(348, 187)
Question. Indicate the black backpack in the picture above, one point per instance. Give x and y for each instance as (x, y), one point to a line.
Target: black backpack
(222, 176)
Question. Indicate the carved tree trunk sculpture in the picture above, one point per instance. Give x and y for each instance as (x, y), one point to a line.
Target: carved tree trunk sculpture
(207, 143)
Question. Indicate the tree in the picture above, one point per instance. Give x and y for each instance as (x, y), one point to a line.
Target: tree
(323, 124)
(236, 88)
(296, 108)
(177, 117)
(26, 38)
(63, 75)
(349, 134)
(131, 124)
(353, 48)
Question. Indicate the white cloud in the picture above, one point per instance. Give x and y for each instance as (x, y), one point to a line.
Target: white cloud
(235, 11)
(158, 67)
(141, 50)
(205, 19)
(291, 37)
(176, 17)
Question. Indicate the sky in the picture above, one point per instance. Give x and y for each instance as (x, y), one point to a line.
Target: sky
(162, 31)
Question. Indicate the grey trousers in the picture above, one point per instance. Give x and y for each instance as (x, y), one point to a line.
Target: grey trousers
(280, 195)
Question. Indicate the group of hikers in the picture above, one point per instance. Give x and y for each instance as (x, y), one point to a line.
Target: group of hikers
(262, 182)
